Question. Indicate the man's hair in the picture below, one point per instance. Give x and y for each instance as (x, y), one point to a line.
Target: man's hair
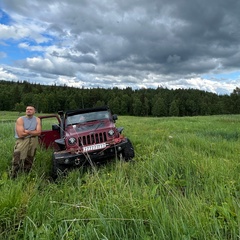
(31, 105)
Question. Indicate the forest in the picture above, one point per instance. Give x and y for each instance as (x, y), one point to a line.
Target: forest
(160, 102)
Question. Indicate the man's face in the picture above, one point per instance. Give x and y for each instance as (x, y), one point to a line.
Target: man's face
(30, 111)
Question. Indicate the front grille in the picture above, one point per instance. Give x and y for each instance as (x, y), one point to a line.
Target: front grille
(93, 138)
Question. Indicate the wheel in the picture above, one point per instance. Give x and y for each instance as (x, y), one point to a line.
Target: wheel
(128, 151)
(58, 170)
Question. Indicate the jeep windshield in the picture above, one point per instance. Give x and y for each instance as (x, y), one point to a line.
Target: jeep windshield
(86, 117)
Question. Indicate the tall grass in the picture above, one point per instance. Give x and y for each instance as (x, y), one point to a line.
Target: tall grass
(182, 184)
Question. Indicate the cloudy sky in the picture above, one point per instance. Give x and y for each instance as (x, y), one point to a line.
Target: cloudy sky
(122, 43)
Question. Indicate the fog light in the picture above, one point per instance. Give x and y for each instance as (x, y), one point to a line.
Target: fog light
(66, 161)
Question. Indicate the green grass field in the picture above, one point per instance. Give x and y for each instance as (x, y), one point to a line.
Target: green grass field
(183, 184)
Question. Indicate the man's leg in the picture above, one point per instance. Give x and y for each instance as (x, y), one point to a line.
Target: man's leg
(20, 153)
(33, 142)
(16, 164)
(28, 164)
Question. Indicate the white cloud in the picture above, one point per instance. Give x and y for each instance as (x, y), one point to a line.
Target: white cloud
(118, 43)
(5, 75)
(203, 84)
(8, 32)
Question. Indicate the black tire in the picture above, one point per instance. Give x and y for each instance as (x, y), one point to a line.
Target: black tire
(128, 151)
(58, 170)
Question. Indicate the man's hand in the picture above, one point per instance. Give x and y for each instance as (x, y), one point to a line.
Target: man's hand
(28, 132)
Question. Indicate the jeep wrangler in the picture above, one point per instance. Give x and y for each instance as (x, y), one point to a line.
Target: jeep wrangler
(84, 136)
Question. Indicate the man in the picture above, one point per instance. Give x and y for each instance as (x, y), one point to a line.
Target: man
(27, 130)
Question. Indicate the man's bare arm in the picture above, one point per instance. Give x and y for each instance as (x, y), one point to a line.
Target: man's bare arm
(20, 128)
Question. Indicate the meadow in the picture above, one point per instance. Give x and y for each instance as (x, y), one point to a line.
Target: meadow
(183, 184)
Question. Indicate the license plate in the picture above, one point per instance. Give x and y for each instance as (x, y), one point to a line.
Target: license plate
(94, 147)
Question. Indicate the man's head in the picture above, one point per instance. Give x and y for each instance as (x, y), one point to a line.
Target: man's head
(30, 111)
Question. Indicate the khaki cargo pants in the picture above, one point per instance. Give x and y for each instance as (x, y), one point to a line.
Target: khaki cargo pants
(23, 155)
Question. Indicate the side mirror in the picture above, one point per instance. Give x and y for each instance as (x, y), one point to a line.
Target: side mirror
(60, 113)
(55, 127)
(114, 117)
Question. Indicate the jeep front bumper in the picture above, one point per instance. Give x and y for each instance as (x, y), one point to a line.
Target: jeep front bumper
(75, 159)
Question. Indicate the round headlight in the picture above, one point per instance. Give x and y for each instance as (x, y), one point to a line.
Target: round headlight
(111, 132)
(72, 140)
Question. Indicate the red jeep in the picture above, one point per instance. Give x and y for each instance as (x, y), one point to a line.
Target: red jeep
(84, 136)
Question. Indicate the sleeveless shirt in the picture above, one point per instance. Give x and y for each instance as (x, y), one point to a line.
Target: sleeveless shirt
(28, 124)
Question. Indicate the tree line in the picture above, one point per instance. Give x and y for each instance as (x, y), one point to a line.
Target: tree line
(158, 102)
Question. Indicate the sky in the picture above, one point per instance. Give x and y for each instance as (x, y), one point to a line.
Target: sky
(174, 44)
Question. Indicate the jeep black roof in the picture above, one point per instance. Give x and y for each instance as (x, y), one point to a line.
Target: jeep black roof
(86, 110)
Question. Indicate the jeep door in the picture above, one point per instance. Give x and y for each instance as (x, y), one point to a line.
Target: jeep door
(50, 131)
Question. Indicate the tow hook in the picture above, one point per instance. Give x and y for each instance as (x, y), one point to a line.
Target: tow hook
(77, 161)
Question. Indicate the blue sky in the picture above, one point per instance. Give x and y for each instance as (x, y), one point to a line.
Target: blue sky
(12, 47)
(5, 18)
(143, 44)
